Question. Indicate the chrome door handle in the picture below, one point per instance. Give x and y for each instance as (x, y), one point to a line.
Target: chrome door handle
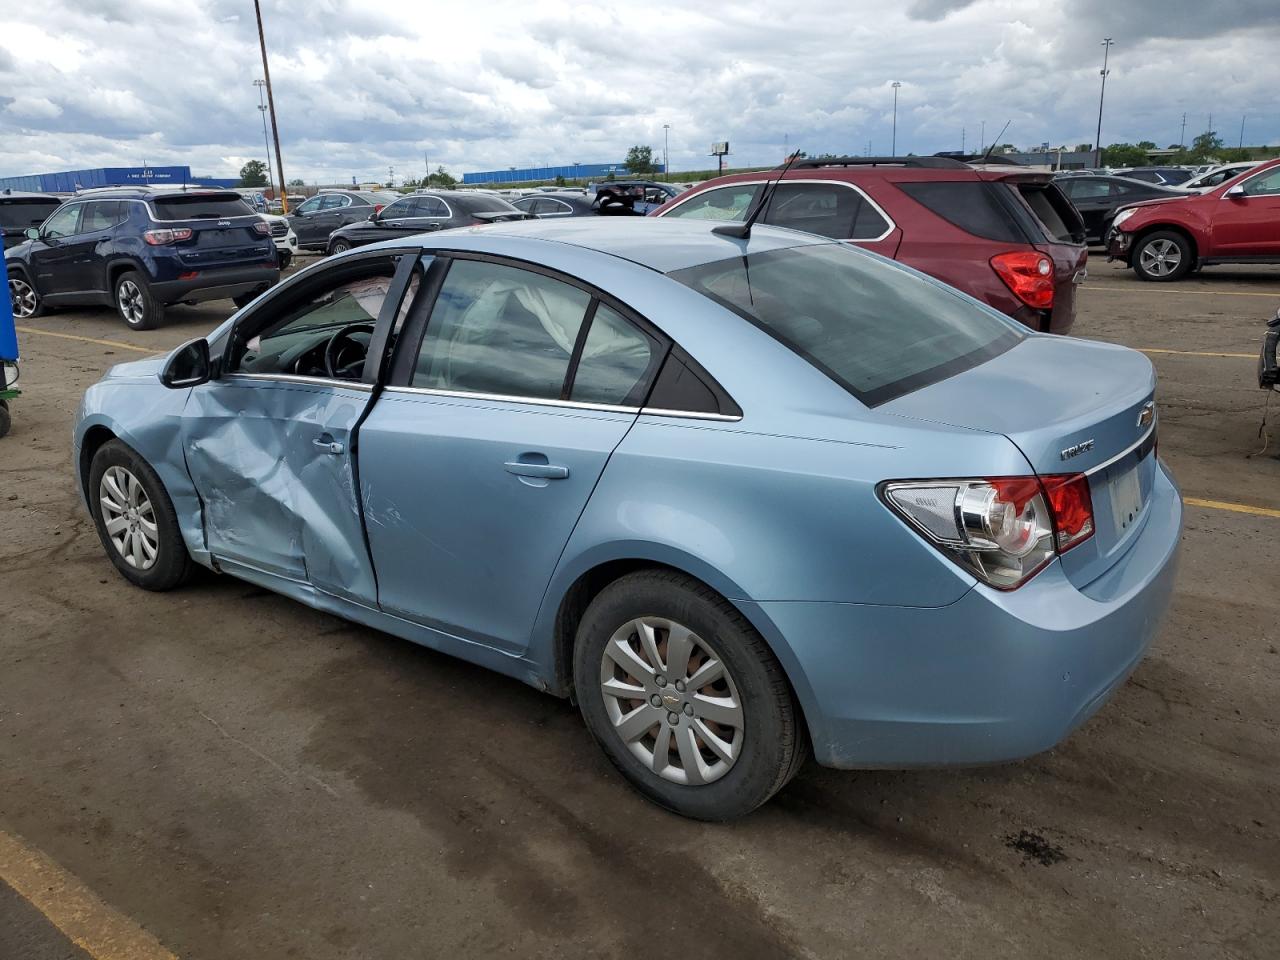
(544, 471)
(329, 445)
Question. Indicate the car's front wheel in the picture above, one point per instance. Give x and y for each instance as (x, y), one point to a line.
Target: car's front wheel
(137, 305)
(135, 519)
(685, 698)
(1162, 256)
(339, 246)
(23, 298)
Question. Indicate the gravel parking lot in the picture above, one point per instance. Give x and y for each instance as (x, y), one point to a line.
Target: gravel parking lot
(240, 776)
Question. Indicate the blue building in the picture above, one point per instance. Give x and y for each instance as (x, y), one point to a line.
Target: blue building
(69, 181)
(570, 171)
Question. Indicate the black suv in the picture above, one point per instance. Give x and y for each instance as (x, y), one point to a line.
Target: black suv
(324, 213)
(19, 210)
(140, 249)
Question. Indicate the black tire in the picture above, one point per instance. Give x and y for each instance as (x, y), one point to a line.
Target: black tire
(339, 245)
(20, 288)
(1170, 243)
(774, 743)
(5, 420)
(135, 302)
(172, 565)
(286, 258)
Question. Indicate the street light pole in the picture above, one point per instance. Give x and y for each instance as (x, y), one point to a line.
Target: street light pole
(893, 149)
(1097, 142)
(271, 103)
(666, 151)
(266, 143)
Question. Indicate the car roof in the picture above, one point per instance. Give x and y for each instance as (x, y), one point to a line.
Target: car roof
(150, 193)
(661, 244)
(27, 195)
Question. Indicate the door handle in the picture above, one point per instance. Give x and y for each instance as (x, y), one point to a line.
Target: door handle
(329, 445)
(543, 471)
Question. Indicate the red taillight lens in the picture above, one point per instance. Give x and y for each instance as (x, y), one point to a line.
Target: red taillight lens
(377, 207)
(1072, 508)
(158, 238)
(1028, 274)
(263, 228)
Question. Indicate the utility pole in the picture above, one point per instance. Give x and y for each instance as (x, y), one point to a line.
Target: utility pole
(1182, 134)
(391, 176)
(1209, 129)
(666, 151)
(982, 136)
(262, 108)
(271, 103)
(1240, 145)
(1097, 143)
(893, 148)
(962, 132)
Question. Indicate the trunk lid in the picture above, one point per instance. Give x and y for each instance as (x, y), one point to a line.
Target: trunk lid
(1088, 417)
(224, 230)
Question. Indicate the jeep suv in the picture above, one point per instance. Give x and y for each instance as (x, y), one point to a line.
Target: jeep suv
(140, 249)
(1235, 222)
(1006, 236)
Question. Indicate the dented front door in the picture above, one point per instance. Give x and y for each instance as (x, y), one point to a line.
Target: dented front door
(271, 458)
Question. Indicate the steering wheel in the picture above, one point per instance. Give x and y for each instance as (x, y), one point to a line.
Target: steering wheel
(336, 364)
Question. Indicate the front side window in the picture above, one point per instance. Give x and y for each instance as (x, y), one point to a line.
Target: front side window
(500, 330)
(723, 203)
(398, 210)
(872, 327)
(309, 206)
(64, 223)
(1264, 185)
(334, 201)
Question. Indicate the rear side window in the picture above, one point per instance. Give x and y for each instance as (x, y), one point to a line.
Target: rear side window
(100, 215)
(616, 361)
(832, 210)
(970, 205)
(21, 214)
(872, 327)
(203, 207)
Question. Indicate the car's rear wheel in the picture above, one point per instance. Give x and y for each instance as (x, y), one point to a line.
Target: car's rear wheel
(286, 258)
(135, 519)
(137, 305)
(339, 246)
(23, 298)
(1162, 256)
(684, 697)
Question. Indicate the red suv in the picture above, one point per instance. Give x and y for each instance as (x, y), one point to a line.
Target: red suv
(1237, 222)
(1006, 236)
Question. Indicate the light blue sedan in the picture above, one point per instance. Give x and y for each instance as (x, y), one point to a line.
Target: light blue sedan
(746, 500)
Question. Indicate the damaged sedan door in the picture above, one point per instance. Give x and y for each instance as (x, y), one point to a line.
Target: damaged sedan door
(268, 443)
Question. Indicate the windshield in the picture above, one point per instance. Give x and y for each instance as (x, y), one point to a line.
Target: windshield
(25, 213)
(873, 327)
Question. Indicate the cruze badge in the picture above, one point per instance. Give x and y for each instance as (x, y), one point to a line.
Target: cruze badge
(1076, 449)
(1146, 415)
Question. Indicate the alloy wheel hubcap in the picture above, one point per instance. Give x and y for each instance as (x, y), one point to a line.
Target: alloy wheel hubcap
(131, 305)
(129, 518)
(1161, 257)
(22, 298)
(671, 699)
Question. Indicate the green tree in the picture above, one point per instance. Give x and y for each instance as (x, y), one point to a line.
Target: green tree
(1207, 145)
(441, 178)
(559, 180)
(253, 174)
(640, 160)
(296, 182)
(1146, 145)
(1123, 155)
(1083, 147)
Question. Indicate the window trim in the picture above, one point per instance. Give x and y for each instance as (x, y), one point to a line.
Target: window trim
(892, 226)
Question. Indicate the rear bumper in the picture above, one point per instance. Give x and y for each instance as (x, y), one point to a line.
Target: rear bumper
(217, 284)
(992, 677)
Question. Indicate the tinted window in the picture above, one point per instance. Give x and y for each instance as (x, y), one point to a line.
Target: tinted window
(401, 208)
(25, 213)
(201, 207)
(483, 204)
(968, 204)
(616, 357)
(830, 210)
(333, 201)
(722, 203)
(64, 223)
(1081, 188)
(502, 330)
(100, 215)
(870, 326)
(431, 207)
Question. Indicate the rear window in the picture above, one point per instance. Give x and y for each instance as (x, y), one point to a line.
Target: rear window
(25, 213)
(201, 207)
(874, 328)
(970, 205)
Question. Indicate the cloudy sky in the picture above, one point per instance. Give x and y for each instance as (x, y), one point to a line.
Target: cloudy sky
(490, 83)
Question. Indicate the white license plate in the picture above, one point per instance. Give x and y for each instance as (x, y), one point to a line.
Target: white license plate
(1126, 498)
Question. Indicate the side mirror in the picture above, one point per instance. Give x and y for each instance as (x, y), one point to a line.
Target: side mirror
(188, 366)
(1236, 191)
(31, 233)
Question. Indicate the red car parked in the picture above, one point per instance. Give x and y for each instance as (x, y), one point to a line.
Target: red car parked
(1006, 236)
(1237, 222)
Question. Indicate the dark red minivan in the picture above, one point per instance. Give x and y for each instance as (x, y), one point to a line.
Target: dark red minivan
(1006, 236)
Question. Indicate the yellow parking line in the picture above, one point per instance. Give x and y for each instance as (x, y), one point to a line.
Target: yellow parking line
(73, 908)
(71, 336)
(1148, 288)
(1232, 507)
(1197, 353)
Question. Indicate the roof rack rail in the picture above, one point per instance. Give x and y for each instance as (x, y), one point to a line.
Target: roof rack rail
(932, 163)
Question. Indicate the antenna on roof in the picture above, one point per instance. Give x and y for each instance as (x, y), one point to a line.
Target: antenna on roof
(742, 231)
(993, 142)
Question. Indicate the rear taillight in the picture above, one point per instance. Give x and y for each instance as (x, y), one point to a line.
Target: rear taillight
(158, 238)
(263, 228)
(377, 207)
(1028, 274)
(1003, 530)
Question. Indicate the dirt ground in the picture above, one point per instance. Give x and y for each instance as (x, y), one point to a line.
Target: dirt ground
(243, 777)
